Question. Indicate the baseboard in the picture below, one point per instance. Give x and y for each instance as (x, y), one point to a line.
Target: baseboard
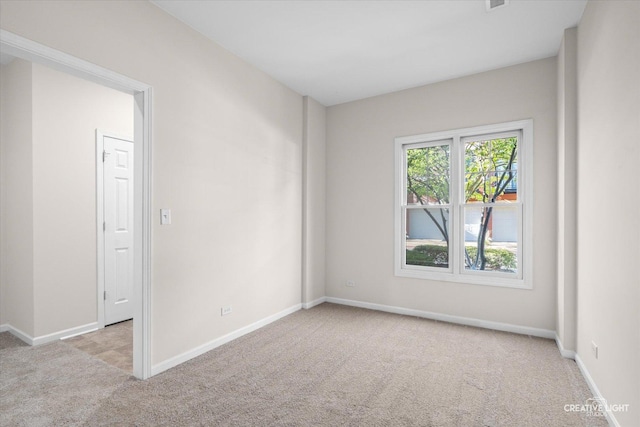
(468, 321)
(311, 304)
(17, 333)
(74, 332)
(67, 333)
(594, 389)
(188, 355)
(567, 354)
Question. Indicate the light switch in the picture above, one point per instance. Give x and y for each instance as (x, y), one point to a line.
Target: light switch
(165, 216)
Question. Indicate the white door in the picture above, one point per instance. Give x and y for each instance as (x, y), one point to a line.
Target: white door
(118, 229)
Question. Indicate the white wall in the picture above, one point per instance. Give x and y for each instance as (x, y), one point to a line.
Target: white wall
(227, 159)
(16, 189)
(360, 180)
(567, 189)
(66, 113)
(608, 205)
(314, 201)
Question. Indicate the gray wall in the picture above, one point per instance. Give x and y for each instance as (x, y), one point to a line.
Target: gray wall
(608, 231)
(16, 189)
(227, 159)
(567, 189)
(360, 191)
(314, 195)
(49, 248)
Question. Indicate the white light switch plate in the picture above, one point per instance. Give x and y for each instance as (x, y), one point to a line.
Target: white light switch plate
(165, 216)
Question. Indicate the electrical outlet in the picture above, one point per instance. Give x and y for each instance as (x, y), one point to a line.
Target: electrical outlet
(594, 349)
(226, 310)
(351, 283)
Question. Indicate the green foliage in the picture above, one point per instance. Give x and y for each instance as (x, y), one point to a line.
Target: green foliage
(489, 167)
(428, 255)
(497, 259)
(437, 256)
(428, 174)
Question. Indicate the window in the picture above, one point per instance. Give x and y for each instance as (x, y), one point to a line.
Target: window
(464, 205)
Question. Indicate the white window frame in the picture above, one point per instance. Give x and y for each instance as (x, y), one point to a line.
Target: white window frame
(456, 271)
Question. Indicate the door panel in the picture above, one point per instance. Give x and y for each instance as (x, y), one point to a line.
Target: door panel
(118, 229)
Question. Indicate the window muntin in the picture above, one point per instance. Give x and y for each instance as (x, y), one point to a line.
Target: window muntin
(462, 212)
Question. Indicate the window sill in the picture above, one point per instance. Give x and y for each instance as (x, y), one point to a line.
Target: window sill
(472, 279)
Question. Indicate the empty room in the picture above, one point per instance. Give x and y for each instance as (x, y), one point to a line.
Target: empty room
(300, 213)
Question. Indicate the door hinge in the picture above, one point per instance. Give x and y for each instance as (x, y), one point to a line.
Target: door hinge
(104, 155)
(105, 295)
(104, 226)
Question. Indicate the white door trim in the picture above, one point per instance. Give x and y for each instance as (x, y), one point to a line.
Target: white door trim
(21, 47)
(99, 226)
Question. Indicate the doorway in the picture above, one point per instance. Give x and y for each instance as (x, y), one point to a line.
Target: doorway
(20, 47)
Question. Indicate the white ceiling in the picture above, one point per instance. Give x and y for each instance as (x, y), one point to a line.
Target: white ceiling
(340, 51)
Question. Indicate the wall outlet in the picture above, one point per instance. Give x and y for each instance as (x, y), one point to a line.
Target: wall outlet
(594, 349)
(226, 310)
(351, 283)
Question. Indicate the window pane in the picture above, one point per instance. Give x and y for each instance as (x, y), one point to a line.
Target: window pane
(491, 170)
(427, 232)
(428, 175)
(491, 238)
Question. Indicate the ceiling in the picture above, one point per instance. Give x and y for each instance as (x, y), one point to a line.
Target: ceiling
(340, 51)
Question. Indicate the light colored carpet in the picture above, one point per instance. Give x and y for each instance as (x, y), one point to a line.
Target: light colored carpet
(328, 366)
(9, 341)
(53, 385)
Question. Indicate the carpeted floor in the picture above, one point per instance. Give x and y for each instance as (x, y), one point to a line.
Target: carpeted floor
(328, 366)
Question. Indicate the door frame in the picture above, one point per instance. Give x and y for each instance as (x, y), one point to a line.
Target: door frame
(100, 262)
(21, 47)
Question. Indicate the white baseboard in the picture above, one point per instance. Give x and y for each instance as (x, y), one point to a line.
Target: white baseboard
(311, 304)
(594, 389)
(17, 333)
(468, 321)
(567, 354)
(67, 333)
(74, 332)
(188, 355)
